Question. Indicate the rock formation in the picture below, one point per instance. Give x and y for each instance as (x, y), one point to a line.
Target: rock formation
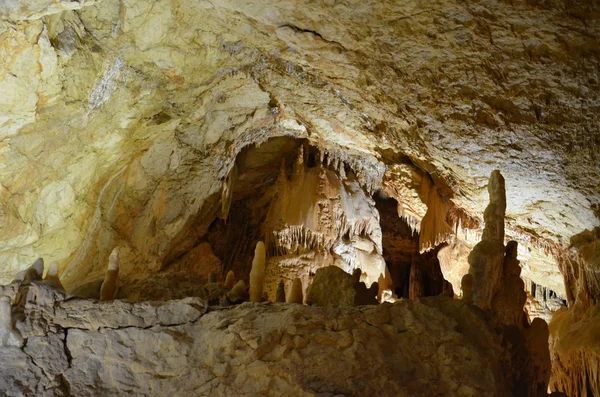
(9, 336)
(280, 294)
(415, 288)
(332, 286)
(486, 259)
(52, 279)
(184, 132)
(81, 347)
(33, 272)
(467, 288)
(323, 213)
(510, 296)
(238, 293)
(229, 280)
(296, 294)
(108, 290)
(575, 353)
(257, 274)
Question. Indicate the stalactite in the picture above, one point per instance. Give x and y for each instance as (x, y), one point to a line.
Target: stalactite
(575, 354)
(434, 229)
(227, 192)
(415, 289)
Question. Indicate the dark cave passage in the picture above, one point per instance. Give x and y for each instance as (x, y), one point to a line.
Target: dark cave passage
(413, 274)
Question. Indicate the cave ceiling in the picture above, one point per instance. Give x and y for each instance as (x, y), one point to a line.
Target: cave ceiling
(120, 120)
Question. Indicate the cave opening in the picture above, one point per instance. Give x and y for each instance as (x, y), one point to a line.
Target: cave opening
(234, 236)
(413, 274)
(308, 206)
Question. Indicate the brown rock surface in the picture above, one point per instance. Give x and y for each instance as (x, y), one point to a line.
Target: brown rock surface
(575, 352)
(486, 259)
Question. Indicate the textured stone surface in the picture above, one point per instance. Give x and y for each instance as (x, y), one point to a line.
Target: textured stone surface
(114, 110)
(487, 258)
(575, 351)
(436, 346)
(332, 286)
(121, 121)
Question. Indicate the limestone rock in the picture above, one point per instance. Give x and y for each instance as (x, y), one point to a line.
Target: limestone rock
(296, 294)
(510, 298)
(280, 295)
(575, 352)
(241, 350)
(257, 274)
(9, 336)
(238, 293)
(334, 287)
(229, 280)
(486, 259)
(467, 288)
(331, 286)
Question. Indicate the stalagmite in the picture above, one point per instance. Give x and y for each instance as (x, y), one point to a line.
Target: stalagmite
(33, 272)
(510, 298)
(52, 278)
(229, 280)
(8, 335)
(356, 273)
(238, 293)
(280, 294)
(415, 289)
(296, 295)
(486, 259)
(447, 289)
(536, 340)
(108, 290)
(257, 274)
(467, 288)
(212, 278)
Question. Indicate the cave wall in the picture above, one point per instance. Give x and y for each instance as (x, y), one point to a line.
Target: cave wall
(119, 107)
(81, 347)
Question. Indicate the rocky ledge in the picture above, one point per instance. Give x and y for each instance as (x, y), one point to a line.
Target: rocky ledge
(78, 347)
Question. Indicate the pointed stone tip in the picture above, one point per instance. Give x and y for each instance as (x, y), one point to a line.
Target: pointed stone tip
(38, 265)
(496, 176)
(52, 269)
(113, 259)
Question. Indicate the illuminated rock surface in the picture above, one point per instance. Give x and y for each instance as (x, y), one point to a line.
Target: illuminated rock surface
(438, 346)
(185, 132)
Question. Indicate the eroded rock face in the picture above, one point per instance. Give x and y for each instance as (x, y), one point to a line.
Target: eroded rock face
(575, 352)
(116, 348)
(332, 286)
(113, 111)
